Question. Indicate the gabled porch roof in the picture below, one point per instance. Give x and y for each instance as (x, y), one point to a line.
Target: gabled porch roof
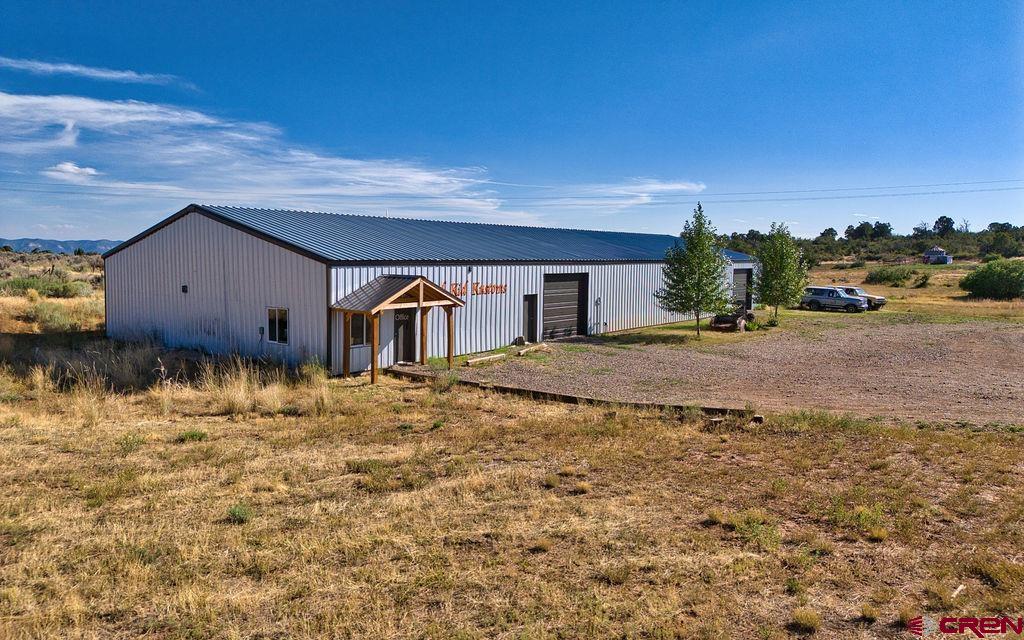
(396, 292)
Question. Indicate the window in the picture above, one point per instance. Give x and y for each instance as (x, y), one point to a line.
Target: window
(277, 325)
(359, 331)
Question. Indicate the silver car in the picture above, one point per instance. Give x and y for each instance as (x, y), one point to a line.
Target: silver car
(818, 298)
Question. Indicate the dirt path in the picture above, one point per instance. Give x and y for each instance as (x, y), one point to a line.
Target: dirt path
(971, 372)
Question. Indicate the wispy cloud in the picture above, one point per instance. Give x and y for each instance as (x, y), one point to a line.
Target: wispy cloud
(866, 215)
(124, 163)
(70, 172)
(126, 153)
(43, 68)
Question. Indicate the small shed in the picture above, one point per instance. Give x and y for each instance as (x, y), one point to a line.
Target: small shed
(936, 255)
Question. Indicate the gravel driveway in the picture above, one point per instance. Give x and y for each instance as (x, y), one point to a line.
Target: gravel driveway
(971, 372)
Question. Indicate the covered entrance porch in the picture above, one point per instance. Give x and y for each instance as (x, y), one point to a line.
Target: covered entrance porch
(407, 298)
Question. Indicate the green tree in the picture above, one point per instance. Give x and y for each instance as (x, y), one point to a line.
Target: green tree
(695, 271)
(944, 225)
(782, 274)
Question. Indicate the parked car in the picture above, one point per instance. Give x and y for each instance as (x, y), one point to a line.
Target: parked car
(874, 302)
(818, 298)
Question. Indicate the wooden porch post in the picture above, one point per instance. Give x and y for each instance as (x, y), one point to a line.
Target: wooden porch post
(346, 343)
(451, 336)
(375, 342)
(423, 334)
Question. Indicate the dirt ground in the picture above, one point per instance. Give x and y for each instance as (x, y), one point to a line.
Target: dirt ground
(964, 372)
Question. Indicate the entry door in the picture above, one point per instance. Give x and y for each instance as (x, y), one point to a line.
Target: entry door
(565, 304)
(405, 336)
(742, 289)
(530, 317)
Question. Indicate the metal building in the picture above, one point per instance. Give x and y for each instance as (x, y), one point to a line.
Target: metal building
(289, 285)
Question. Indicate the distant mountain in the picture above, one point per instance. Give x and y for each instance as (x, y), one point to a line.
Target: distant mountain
(59, 246)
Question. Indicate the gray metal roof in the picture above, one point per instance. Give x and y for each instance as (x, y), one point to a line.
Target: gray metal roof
(346, 238)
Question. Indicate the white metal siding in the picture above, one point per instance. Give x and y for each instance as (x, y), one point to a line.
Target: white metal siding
(626, 293)
(232, 278)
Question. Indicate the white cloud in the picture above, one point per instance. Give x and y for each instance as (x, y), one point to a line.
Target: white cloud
(135, 162)
(42, 68)
(129, 151)
(866, 215)
(70, 172)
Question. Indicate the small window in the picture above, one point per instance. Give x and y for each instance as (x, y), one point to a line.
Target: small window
(358, 336)
(277, 325)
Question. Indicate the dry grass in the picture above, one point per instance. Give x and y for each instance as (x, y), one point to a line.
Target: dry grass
(147, 493)
(511, 519)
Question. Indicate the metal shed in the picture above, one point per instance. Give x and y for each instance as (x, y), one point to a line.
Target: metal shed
(280, 284)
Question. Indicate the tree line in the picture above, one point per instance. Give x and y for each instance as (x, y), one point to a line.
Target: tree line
(876, 241)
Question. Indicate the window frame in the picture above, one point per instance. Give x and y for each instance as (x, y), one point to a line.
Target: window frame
(274, 325)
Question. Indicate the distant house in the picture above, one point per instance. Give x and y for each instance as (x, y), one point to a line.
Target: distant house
(936, 255)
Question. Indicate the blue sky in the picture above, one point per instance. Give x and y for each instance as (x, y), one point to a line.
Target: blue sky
(607, 115)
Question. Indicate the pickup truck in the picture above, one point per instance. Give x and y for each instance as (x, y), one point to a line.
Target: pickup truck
(874, 302)
(818, 298)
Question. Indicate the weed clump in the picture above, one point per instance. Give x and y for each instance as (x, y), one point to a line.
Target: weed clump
(240, 513)
(805, 620)
(191, 435)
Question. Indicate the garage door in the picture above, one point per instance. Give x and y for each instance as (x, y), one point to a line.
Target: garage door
(565, 304)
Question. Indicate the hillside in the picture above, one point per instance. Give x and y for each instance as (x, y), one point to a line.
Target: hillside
(58, 246)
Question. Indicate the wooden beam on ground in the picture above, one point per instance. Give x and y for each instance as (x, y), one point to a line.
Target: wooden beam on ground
(472, 362)
(451, 336)
(374, 342)
(532, 347)
(423, 334)
(346, 344)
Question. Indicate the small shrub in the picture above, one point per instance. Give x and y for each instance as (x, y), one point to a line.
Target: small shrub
(615, 574)
(998, 280)
(905, 615)
(130, 443)
(192, 435)
(922, 280)
(998, 573)
(240, 513)
(443, 381)
(715, 517)
(895, 276)
(551, 481)
(794, 587)
(312, 373)
(806, 620)
(858, 264)
(991, 257)
(582, 487)
(51, 317)
(878, 534)
(365, 466)
(869, 613)
(46, 286)
(540, 545)
(755, 527)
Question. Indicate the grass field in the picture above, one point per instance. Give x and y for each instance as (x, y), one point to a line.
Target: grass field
(153, 494)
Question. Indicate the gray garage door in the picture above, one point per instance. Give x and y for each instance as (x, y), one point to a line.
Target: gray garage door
(565, 304)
